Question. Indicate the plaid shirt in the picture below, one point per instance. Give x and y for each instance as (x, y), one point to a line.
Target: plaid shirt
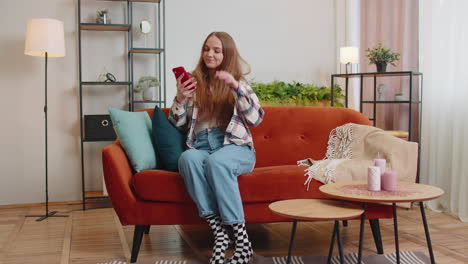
(247, 112)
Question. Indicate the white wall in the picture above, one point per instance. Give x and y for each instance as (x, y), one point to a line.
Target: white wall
(21, 104)
(284, 40)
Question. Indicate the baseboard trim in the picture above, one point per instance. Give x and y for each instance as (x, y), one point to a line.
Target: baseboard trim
(88, 202)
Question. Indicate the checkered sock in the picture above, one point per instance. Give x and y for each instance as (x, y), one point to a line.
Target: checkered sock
(221, 239)
(243, 252)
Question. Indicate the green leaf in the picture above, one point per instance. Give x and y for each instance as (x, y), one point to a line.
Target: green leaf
(295, 93)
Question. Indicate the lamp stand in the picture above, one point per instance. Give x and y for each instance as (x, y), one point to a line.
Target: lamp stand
(53, 213)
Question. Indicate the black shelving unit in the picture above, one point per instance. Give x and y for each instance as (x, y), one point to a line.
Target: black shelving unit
(155, 51)
(125, 28)
(414, 100)
(105, 83)
(104, 27)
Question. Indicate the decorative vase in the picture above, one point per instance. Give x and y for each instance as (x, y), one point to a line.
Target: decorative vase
(103, 19)
(137, 96)
(149, 93)
(381, 92)
(381, 66)
(399, 97)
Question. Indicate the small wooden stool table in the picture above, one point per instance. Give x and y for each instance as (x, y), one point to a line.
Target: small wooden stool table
(317, 210)
(406, 192)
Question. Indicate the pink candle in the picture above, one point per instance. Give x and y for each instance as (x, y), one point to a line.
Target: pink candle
(381, 163)
(373, 178)
(389, 181)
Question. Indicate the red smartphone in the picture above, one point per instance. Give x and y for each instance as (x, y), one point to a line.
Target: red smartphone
(178, 71)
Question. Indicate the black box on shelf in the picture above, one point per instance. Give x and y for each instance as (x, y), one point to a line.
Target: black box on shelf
(98, 127)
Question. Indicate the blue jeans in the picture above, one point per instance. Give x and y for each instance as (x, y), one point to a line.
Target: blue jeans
(210, 172)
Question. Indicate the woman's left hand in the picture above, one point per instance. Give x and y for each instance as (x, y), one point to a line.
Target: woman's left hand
(228, 79)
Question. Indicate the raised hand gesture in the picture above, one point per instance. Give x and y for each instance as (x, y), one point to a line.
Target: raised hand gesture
(228, 79)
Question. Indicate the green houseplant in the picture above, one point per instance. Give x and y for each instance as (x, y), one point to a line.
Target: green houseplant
(147, 85)
(279, 93)
(381, 56)
(399, 97)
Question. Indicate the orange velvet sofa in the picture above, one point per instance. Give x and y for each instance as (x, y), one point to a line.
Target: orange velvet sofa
(286, 135)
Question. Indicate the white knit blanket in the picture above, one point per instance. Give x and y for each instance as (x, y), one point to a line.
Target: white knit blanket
(351, 150)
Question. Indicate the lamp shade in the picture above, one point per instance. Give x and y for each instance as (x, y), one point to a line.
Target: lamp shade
(45, 35)
(349, 55)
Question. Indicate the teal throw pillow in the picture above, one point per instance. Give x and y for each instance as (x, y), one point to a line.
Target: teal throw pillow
(134, 132)
(169, 142)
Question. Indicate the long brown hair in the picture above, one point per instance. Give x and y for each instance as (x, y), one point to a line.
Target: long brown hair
(218, 102)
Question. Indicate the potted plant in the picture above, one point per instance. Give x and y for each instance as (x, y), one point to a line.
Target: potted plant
(381, 56)
(399, 97)
(147, 85)
(103, 17)
(279, 93)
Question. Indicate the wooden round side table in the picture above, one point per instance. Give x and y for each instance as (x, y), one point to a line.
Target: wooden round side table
(406, 192)
(317, 210)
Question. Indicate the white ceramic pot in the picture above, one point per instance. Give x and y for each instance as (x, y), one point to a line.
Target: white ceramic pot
(149, 93)
(137, 96)
(399, 97)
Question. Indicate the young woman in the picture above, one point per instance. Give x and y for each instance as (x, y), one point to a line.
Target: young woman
(216, 107)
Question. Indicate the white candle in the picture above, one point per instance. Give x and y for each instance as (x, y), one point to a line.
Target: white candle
(373, 178)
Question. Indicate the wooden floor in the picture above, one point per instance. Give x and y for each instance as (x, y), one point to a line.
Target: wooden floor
(94, 236)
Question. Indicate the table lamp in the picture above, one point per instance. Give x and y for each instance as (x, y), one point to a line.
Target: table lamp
(45, 38)
(349, 56)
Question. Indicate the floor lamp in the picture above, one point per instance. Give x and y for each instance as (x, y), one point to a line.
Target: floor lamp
(45, 38)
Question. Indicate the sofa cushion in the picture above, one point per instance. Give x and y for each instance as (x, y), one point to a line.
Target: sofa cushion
(169, 142)
(304, 136)
(134, 132)
(276, 183)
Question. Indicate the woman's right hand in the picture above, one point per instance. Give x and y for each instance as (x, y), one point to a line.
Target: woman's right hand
(185, 89)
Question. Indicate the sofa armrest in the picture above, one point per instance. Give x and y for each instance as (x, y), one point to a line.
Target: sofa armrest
(118, 177)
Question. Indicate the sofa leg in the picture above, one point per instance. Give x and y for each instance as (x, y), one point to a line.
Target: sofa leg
(375, 226)
(137, 237)
(147, 229)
